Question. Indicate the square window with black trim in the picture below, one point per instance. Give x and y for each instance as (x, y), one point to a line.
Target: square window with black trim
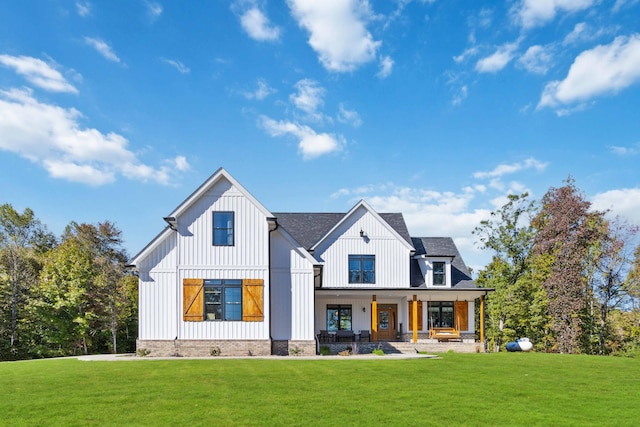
(223, 228)
(440, 314)
(362, 269)
(339, 317)
(223, 299)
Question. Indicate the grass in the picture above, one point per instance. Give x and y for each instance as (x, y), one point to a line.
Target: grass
(458, 389)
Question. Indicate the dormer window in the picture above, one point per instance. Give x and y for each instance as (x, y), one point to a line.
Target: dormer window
(439, 273)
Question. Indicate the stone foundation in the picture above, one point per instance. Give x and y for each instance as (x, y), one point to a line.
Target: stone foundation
(293, 348)
(204, 348)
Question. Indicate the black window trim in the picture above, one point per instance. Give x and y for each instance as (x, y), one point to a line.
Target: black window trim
(339, 307)
(361, 258)
(223, 284)
(444, 273)
(233, 228)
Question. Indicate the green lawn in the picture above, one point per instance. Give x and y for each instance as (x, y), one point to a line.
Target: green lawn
(458, 389)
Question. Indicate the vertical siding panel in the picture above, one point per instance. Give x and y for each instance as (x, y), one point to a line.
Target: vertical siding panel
(392, 256)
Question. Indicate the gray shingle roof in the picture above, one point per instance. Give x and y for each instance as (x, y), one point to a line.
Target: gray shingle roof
(309, 228)
(445, 247)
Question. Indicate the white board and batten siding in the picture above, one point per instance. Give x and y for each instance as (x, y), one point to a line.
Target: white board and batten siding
(292, 291)
(189, 253)
(391, 255)
(158, 291)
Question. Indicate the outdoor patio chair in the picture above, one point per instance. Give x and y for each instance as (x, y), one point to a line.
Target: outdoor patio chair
(364, 336)
(344, 336)
(325, 337)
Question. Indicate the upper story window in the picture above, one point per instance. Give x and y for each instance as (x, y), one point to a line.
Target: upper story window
(439, 273)
(223, 228)
(362, 269)
(223, 299)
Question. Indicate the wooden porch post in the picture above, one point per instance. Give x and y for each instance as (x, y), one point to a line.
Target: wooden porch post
(374, 319)
(482, 319)
(414, 317)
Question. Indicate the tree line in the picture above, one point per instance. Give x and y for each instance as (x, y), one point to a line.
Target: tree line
(564, 275)
(63, 295)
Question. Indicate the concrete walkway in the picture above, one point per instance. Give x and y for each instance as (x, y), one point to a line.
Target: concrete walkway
(133, 357)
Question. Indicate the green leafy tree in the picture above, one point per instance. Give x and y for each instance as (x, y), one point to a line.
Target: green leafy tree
(509, 234)
(23, 239)
(110, 296)
(632, 282)
(64, 306)
(611, 262)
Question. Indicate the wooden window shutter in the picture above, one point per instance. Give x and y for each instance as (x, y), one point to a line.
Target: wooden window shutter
(461, 314)
(193, 300)
(252, 300)
(411, 315)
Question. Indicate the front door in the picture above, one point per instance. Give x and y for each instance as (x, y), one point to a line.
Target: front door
(387, 322)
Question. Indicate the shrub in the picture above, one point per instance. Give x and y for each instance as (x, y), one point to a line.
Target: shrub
(325, 350)
(296, 351)
(143, 352)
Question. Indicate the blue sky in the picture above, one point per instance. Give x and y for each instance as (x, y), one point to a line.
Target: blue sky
(437, 109)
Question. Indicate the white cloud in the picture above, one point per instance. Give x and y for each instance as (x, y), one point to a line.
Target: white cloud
(83, 8)
(582, 32)
(52, 137)
(579, 32)
(257, 25)
(337, 31)
(310, 96)
(536, 59)
(533, 13)
(601, 70)
(38, 73)
(469, 52)
(262, 91)
(311, 144)
(626, 151)
(497, 60)
(623, 202)
(103, 48)
(181, 163)
(177, 65)
(460, 96)
(623, 3)
(154, 9)
(507, 169)
(386, 66)
(349, 116)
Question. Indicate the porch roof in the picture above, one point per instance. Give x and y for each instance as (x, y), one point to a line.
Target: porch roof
(422, 294)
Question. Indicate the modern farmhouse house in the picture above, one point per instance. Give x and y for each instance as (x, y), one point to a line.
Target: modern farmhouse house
(229, 277)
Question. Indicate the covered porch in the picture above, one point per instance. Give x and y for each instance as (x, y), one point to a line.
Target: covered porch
(418, 316)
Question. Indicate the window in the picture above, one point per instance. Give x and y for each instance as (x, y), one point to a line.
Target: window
(441, 314)
(338, 317)
(223, 223)
(217, 299)
(223, 299)
(362, 269)
(439, 275)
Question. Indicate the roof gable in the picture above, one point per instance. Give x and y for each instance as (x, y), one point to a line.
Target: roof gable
(208, 184)
(216, 177)
(309, 229)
